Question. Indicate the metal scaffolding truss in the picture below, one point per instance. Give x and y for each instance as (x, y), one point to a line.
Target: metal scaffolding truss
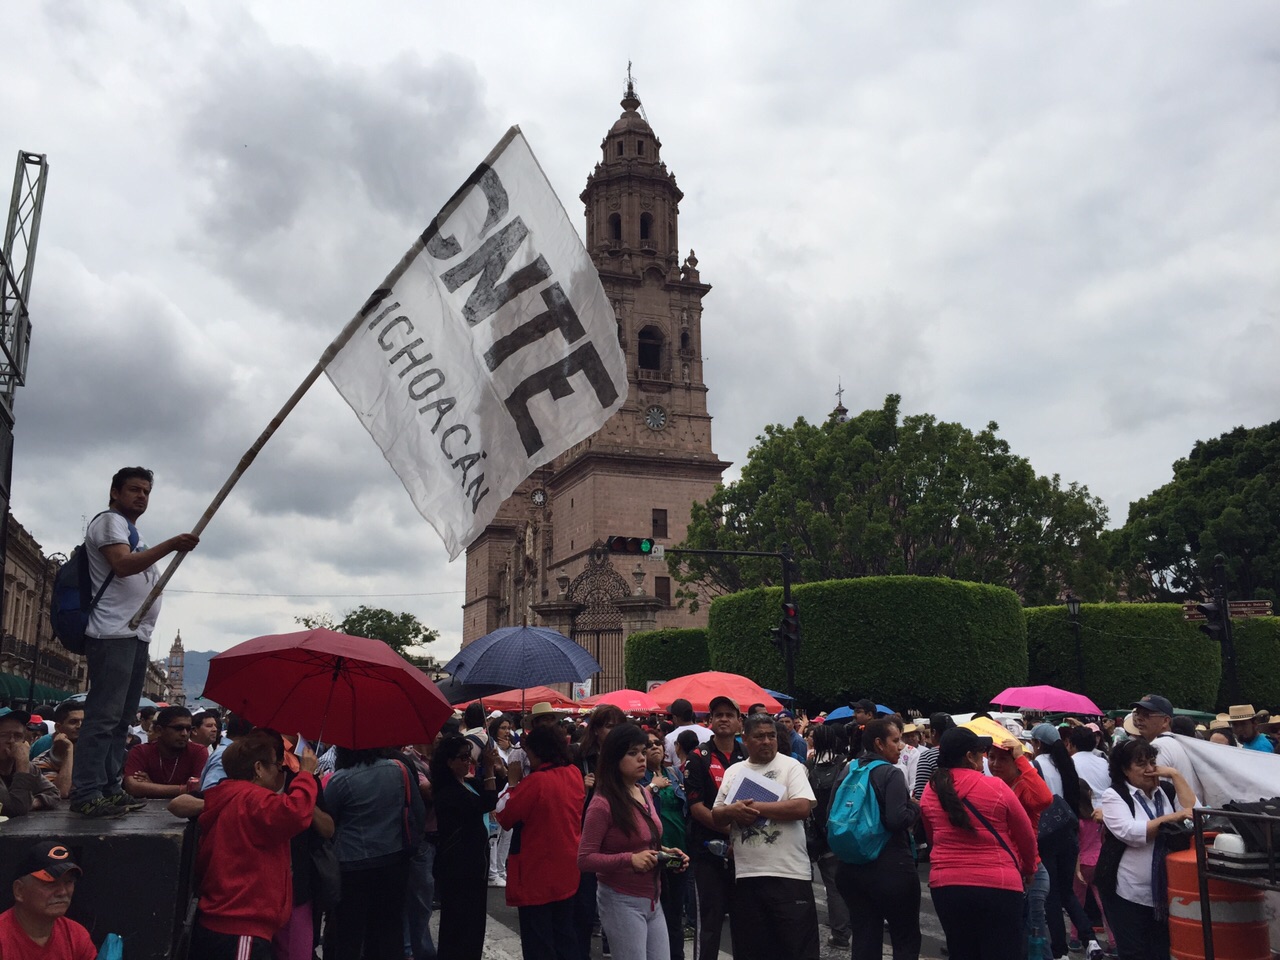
(17, 258)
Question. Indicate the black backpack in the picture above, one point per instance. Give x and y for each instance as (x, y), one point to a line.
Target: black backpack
(73, 598)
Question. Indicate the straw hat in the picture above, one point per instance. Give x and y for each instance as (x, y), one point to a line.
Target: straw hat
(1130, 726)
(1241, 711)
(1220, 722)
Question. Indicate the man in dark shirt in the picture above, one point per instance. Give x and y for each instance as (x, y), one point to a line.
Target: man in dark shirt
(164, 767)
(712, 873)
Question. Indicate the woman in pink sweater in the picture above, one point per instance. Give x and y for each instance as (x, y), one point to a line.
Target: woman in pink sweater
(621, 844)
(983, 848)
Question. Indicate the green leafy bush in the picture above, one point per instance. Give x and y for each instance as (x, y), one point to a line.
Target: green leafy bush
(923, 642)
(1130, 649)
(1257, 644)
(664, 655)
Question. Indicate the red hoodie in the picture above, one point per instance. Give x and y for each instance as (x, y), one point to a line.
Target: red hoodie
(246, 887)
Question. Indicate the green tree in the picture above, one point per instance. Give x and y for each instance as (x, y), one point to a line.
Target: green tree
(1224, 498)
(884, 495)
(399, 631)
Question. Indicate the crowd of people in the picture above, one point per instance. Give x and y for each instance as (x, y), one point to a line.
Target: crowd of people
(646, 832)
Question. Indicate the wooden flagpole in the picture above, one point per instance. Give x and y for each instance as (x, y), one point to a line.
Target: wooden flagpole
(330, 352)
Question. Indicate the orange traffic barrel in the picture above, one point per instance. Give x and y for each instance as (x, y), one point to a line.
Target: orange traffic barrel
(1238, 913)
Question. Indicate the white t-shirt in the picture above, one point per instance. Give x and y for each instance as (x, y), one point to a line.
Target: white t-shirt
(704, 734)
(1094, 771)
(124, 595)
(776, 847)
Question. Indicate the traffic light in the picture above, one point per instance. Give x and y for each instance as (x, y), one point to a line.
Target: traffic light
(790, 626)
(1214, 626)
(638, 545)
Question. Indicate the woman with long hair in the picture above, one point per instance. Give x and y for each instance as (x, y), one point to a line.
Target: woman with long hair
(887, 888)
(1059, 835)
(380, 820)
(461, 867)
(544, 813)
(622, 845)
(826, 768)
(586, 753)
(500, 737)
(1133, 809)
(983, 850)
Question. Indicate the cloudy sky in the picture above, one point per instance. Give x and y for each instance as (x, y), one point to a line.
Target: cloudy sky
(1061, 217)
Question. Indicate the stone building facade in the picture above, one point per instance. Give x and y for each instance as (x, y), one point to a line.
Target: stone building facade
(542, 560)
(26, 637)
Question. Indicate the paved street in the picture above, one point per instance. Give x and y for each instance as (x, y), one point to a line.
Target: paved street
(502, 939)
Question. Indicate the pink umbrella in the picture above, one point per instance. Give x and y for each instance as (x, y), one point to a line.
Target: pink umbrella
(628, 701)
(1046, 698)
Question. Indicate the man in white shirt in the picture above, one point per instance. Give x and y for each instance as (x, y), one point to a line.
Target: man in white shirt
(117, 654)
(1153, 715)
(682, 714)
(774, 916)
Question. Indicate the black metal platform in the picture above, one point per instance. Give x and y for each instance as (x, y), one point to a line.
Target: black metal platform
(137, 872)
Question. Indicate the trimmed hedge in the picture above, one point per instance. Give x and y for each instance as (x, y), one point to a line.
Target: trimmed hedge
(664, 655)
(1130, 649)
(923, 642)
(1257, 643)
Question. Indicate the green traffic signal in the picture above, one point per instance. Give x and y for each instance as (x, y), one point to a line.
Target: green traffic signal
(640, 545)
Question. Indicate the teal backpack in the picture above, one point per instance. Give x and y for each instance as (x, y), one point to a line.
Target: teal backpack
(854, 831)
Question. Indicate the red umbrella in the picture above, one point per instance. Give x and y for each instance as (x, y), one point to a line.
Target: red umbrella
(351, 691)
(700, 688)
(628, 701)
(520, 699)
(1046, 698)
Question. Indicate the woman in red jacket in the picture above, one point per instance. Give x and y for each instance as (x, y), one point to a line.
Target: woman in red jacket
(544, 813)
(1009, 762)
(246, 885)
(983, 848)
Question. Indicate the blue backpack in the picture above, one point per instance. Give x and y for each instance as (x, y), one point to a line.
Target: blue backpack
(854, 831)
(73, 598)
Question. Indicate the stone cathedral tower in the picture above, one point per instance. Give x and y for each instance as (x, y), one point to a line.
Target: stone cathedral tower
(542, 561)
(176, 666)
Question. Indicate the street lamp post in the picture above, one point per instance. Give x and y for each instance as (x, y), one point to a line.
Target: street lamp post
(1073, 611)
(43, 611)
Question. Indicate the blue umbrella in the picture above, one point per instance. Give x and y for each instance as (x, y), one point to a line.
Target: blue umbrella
(840, 713)
(776, 695)
(522, 657)
(883, 709)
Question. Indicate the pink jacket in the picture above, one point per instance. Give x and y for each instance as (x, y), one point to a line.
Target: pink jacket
(962, 857)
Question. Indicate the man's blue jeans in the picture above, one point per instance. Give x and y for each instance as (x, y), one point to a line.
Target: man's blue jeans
(117, 670)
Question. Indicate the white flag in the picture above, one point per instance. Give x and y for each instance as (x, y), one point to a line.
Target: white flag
(490, 350)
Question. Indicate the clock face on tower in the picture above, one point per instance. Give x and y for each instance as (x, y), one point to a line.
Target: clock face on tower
(539, 497)
(655, 417)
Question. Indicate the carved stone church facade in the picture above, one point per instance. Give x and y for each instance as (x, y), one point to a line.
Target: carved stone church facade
(542, 559)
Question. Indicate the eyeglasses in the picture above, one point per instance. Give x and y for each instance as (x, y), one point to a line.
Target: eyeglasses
(653, 743)
(180, 727)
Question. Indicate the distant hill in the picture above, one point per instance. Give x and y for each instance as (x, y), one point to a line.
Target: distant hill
(196, 671)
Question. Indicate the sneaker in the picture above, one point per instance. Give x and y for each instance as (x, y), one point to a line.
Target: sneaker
(690, 933)
(835, 941)
(497, 882)
(99, 808)
(1093, 951)
(1075, 946)
(125, 802)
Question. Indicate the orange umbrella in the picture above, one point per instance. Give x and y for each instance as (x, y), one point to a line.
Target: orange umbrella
(628, 701)
(522, 699)
(701, 688)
